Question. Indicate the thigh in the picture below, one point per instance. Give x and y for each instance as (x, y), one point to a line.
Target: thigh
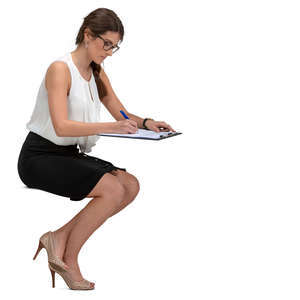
(107, 184)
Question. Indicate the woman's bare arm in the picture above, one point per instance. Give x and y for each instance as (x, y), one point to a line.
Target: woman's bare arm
(57, 81)
(114, 105)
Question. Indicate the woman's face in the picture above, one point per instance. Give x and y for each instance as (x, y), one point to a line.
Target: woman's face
(95, 46)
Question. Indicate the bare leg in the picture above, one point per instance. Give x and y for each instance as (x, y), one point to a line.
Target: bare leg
(89, 219)
(70, 238)
(123, 205)
(61, 235)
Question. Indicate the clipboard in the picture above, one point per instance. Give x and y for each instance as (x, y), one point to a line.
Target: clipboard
(144, 135)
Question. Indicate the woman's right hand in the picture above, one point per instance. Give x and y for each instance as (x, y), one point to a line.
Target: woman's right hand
(125, 126)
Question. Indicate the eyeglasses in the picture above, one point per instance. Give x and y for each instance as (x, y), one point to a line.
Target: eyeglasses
(108, 45)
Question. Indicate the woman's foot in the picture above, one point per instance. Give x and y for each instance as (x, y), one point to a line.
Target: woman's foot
(60, 240)
(74, 271)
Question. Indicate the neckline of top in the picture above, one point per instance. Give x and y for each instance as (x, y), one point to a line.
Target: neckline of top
(71, 59)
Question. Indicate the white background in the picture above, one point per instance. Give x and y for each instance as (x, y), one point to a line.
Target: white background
(217, 216)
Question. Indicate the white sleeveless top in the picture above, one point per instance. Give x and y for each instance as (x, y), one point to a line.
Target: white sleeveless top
(81, 108)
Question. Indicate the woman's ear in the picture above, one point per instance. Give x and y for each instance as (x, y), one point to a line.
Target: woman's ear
(86, 34)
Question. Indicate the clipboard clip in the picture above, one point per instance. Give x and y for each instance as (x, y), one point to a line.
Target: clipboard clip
(170, 133)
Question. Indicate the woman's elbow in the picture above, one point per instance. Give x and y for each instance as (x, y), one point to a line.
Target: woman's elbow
(59, 130)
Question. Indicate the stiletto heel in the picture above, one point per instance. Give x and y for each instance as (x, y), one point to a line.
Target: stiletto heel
(55, 264)
(53, 277)
(40, 247)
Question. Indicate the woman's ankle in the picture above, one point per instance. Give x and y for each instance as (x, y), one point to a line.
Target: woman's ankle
(71, 261)
(61, 234)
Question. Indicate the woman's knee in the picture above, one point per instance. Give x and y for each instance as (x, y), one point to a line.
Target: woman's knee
(132, 185)
(129, 181)
(110, 187)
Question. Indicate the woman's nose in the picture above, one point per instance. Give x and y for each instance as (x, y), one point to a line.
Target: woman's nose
(109, 52)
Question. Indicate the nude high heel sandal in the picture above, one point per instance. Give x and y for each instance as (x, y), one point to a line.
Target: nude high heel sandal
(46, 241)
(73, 285)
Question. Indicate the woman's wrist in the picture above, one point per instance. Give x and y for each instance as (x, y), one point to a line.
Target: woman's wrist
(137, 119)
(107, 127)
(145, 121)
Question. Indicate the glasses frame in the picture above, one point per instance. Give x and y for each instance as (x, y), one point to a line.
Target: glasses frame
(115, 48)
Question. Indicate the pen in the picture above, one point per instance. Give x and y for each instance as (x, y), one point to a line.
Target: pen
(124, 115)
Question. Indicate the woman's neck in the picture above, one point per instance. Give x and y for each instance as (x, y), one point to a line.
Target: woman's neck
(81, 59)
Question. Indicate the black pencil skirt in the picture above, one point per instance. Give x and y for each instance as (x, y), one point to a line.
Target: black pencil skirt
(61, 170)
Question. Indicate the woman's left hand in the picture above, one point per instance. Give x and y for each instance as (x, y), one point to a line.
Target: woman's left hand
(158, 126)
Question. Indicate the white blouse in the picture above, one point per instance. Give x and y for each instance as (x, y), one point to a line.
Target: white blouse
(83, 105)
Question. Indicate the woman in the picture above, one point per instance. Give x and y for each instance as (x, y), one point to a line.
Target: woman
(66, 114)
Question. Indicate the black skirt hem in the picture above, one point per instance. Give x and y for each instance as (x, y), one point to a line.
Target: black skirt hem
(94, 181)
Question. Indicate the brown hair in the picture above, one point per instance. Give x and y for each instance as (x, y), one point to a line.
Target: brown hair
(98, 22)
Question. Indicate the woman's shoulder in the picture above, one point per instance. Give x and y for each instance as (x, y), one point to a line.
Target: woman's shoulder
(58, 68)
(58, 72)
(60, 64)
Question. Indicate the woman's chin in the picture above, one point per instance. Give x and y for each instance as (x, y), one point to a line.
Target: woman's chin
(99, 60)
